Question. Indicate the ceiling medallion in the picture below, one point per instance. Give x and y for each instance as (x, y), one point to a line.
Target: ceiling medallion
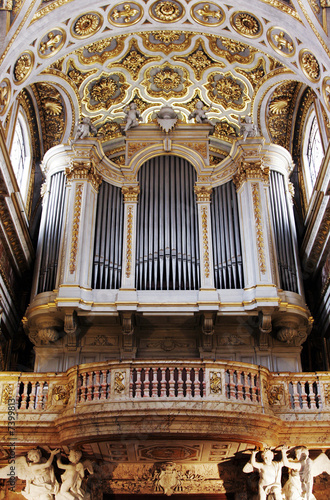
(133, 60)
(166, 11)
(281, 41)
(325, 89)
(23, 67)
(4, 95)
(309, 65)
(51, 43)
(125, 14)
(199, 60)
(207, 14)
(225, 90)
(166, 81)
(86, 25)
(105, 92)
(246, 24)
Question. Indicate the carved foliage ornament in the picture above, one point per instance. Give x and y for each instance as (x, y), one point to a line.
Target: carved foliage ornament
(5, 92)
(325, 89)
(250, 171)
(166, 81)
(105, 92)
(125, 14)
(281, 41)
(246, 24)
(83, 171)
(63, 392)
(23, 67)
(86, 25)
(215, 382)
(130, 193)
(227, 91)
(51, 43)
(166, 41)
(207, 14)
(309, 65)
(166, 11)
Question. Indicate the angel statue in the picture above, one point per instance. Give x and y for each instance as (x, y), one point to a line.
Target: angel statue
(38, 473)
(247, 127)
(303, 469)
(85, 128)
(133, 116)
(200, 114)
(73, 476)
(270, 472)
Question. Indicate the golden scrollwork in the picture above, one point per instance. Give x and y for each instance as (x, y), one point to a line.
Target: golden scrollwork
(326, 91)
(281, 41)
(130, 193)
(78, 77)
(206, 252)
(254, 75)
(134, 60)
(7, 394)
(129, 240)
(134, 147)
(63, 392)
(51, 43)
(23, 67)
(80, 170)
(309, 65)
(106, 91)
(246, 24)
(227, 91)
(167, 11)
(166, 41)
(275, 393)
(119, 160)
(166, 81)
(199, 60)
(109, 130)
(101, 51)
(258, 223)
(225, 131)
(119, 385)
(203, 193)
(215, 382)
(207, 14)
(231, 49)
(125, 14)
(86, 25)
(75, 227)
(249, 170)
(199, 146)
(5, 92)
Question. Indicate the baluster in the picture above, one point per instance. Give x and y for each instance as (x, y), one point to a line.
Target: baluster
(203, 383)
(231, 384)
(84, 387)
(190, 382)
(24, 399)
(97, 387)
(20, 385)
(131, 383)
(245, 387)
(163, 383)
(256, 387)
(296, 395)
(315, 399)
(90, 386)
(180, 383)
(171, 383)
(146, 393)
(39, 396)
(138, 384)
(240, 395)
(304, 395)
(32, 396)
(45, 396)
(154, 384)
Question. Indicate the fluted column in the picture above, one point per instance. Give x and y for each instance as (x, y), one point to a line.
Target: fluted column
(130, 194)
(203, 198)
(83, 183)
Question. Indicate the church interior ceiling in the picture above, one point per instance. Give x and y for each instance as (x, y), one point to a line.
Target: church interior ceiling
(74, 61)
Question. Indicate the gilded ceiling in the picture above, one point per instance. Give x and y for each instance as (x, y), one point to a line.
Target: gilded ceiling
(76, 61)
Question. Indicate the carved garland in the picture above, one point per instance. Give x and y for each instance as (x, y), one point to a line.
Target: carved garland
(129, 240)
(206, 254)
(75, 227)
(258, 221)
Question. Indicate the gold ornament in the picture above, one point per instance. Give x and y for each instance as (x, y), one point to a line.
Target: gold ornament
(105, 92)
(166, 81)
(326, 91)
(199, 60)
(53, 44)
(86, 25)
(224, 90)
(225, 131)
(125, 14)
(309, 65)
(166, 41)
(246, 24)
(166, 11)
(232, 45)
(281, 41)
(203, 13)
(166, 36)
(4, 95)
(109, 130)
(23, 67)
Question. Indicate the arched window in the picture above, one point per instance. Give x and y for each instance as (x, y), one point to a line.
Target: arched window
(21, 154)
(312, 152)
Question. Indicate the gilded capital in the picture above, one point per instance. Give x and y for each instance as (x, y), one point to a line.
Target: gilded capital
(83, 170)
(130, 193)
(203, 193)
(251, 171)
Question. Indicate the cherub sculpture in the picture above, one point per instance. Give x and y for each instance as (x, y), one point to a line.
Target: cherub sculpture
(85, 128)
(73, 476)
(38, 473)
(133, 116)
(247, 127)
(270, 472)
(200, 114)
(303, 469)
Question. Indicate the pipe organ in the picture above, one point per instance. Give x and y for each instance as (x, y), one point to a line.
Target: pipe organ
(209, 250)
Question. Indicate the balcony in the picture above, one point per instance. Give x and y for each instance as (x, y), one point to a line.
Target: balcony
(222, 400)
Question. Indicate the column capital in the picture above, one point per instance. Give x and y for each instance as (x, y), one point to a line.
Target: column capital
(130, 193)
(251, 170)
(83, 170)
(203, 193)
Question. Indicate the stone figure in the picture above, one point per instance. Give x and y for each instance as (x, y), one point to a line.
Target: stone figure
(133, 116)
(270, 472)
(85, 129)
(200, 114)
(247, 127)
(73, 476)
(303, 469)
(38, 473)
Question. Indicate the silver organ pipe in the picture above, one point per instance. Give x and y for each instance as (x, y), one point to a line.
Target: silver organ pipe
(167, 252)
(108, 238)
(227, 254)
(52, 233)
(282, 233)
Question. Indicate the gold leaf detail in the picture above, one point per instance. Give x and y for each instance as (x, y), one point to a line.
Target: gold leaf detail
(87, 25)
